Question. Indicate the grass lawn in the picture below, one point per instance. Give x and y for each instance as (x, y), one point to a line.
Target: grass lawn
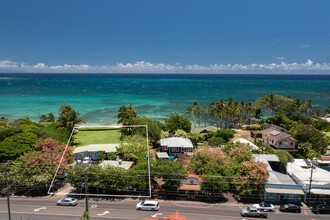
(97, 137)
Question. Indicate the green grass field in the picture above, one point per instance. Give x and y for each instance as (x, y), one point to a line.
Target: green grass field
(97, 137)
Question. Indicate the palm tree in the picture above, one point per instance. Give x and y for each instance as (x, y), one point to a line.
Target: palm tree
(190, 113)
(197, 111)
(51, 117)
(204, 113)
(219, 111)
(126, 115)
(68, 117)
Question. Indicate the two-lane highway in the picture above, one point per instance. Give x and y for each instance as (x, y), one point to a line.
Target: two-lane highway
(40, 209)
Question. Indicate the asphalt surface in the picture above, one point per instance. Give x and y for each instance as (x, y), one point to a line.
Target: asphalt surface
(46, 209)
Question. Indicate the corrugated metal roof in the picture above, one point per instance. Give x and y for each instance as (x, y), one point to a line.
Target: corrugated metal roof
(162, 155)
(124, 164)
(285, 191)
(176, 142)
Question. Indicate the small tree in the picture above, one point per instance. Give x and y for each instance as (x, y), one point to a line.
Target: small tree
(176, 122)
(225, 134)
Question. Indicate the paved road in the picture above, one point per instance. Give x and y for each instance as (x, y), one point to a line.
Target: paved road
(41, 209)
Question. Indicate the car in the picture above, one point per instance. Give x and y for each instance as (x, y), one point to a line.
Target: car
(290, 208)
(87, 160)
(253, 212)
(67, 201)
(79, 161)
(321, 209)
(95, 160)
(264, 206)
(148, 205)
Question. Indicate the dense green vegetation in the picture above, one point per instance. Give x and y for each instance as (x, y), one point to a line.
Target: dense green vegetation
(33, 147)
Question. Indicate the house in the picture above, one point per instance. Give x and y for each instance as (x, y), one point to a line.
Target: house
(301, 171)
(93, 149)
(276, 137)
(174, 146)
(191, 186)
(279, 187)
(247, 142)
(256, 134)
(117, 163)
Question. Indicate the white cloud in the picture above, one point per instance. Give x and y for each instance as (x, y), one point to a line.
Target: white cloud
(280, 58)
(304, 45)
(147, 67)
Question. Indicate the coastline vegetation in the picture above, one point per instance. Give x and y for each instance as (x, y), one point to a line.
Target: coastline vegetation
(31, 144)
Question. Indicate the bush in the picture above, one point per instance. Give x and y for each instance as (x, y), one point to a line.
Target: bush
(225, 134)
(255, 127)
(215, 141)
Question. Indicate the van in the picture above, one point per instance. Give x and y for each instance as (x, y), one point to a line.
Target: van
(148, 205)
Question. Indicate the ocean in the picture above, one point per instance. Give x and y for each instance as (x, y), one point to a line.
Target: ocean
(98, 96)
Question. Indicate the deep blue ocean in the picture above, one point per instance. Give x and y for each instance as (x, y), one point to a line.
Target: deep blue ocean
(98, 96)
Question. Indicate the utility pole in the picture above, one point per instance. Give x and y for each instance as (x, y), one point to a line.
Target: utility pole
(6, 191)
(310, 185)
(86, 190)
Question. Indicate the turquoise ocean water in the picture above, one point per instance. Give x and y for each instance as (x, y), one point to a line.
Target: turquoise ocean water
(98, 96)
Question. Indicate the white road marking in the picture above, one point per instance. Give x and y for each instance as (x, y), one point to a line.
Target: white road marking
(305, 212)
(93, 206)
(155, 215)
(106, 212)
(36, 210)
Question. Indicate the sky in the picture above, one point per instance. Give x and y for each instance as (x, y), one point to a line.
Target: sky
(165, 36)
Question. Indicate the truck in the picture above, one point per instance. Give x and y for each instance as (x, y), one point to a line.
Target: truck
(253, 212)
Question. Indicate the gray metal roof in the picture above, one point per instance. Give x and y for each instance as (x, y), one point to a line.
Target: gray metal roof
(176, 142)
(162, 155)
(124, 164)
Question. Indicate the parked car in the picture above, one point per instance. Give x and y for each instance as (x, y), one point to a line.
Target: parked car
(87, 160)
(253, 212)
(79, 161)
(95, 160)
(148, 205)
(321, 209)
(290, 208)
(265, 207)
(67, 201)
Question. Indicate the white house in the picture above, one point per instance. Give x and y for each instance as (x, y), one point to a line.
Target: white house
(175, 146)
(92, 150)
(301, 172)
(279, 186)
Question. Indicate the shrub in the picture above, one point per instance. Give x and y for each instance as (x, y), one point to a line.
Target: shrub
(255, 127)
(225, 134)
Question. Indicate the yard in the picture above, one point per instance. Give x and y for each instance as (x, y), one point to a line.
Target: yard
(97, 137)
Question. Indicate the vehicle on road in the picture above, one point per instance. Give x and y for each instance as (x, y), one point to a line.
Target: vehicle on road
(87, 160)
(253, 212)
(321, 209)
(265, 207)
(290, 208)
(67, 201)
(148, 205)
(79, 161)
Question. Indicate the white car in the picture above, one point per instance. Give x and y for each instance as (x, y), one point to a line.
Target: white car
(87, 160)
(264, 207)
(148, 205)
(67, 201)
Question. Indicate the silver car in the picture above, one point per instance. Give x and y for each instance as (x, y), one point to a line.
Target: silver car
(253, 212)
(67, 201)
(148, 205)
